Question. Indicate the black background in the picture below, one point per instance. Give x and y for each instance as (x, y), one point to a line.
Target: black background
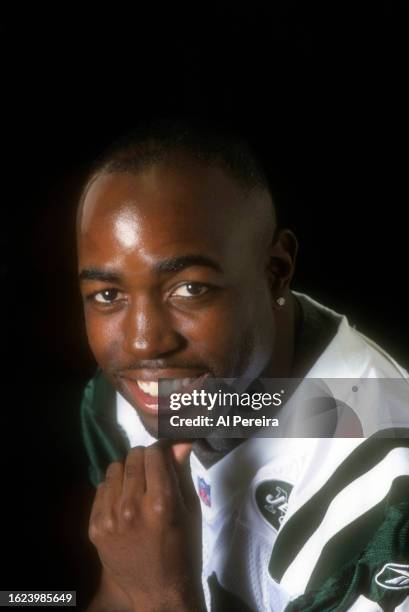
(321, 94)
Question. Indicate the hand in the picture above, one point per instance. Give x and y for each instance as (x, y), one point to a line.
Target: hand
(146, 525)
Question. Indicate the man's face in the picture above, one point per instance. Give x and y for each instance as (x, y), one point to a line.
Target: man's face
(173, 280)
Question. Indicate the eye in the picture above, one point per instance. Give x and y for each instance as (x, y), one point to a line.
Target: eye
(107, 296)
(189, 290)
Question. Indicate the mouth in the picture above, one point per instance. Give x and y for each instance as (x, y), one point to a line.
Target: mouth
(146, 393)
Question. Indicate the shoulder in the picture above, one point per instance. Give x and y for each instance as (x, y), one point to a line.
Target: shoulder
(99, 397)
(104, 439)
(349, 354)
(345, 519)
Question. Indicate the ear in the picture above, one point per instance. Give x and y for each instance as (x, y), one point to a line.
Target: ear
(281, 262)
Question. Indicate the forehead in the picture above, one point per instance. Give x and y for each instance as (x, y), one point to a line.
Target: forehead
(187, 189)
(163, 210)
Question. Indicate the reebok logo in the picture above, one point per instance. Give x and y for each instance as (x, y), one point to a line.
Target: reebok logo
(393, 576)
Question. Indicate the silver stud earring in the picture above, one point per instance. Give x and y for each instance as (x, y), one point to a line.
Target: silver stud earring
(280, 301)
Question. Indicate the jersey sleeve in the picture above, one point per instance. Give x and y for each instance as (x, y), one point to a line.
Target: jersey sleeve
(353, 538)
(104, 440)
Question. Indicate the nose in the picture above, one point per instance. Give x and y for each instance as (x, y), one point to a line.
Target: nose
(149, 332)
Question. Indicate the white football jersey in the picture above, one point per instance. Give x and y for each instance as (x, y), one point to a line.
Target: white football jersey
(275, 510)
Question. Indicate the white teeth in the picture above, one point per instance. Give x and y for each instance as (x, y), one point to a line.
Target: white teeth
(175, 385)
(167, 386)
(151, 388)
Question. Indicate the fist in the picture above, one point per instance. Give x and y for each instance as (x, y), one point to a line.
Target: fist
(146, 525)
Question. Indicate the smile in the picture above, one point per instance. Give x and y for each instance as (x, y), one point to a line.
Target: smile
(177, 385)
(146, 393)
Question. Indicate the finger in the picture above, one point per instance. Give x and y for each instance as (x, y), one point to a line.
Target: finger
(161, 480)
(97, 504)
(113, 489)
(96, 512)
(134, 483)
(181, 454)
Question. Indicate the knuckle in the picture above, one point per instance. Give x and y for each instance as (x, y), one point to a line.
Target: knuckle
(93, 532)
(130, 470)
(160, 446)
(166, 495)
(136, 451)
(109, 525)
(155, 449)
(128, 511)
(133, 461)
(158, 508)
(113, 469)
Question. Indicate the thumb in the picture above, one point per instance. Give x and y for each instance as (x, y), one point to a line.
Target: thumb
(181, 452)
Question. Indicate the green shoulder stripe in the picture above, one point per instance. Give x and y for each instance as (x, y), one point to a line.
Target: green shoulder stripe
(305, 522)
(104, 440)
(380, 571)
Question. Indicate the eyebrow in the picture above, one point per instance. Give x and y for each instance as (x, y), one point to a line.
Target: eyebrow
(167, 266)
(175, 264)
(96, 274)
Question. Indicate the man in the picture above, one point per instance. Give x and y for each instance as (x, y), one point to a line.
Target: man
(185, 273)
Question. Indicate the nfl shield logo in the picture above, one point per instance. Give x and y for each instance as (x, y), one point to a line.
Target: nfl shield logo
(204, 491)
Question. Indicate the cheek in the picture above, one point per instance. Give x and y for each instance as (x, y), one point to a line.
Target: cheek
(104, 335)
(211, 328)
(229, 336)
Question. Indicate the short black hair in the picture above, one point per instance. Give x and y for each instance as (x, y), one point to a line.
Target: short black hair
(207, 142)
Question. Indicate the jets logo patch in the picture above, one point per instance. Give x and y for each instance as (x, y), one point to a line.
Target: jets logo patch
(272, 500)
(393, 576)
